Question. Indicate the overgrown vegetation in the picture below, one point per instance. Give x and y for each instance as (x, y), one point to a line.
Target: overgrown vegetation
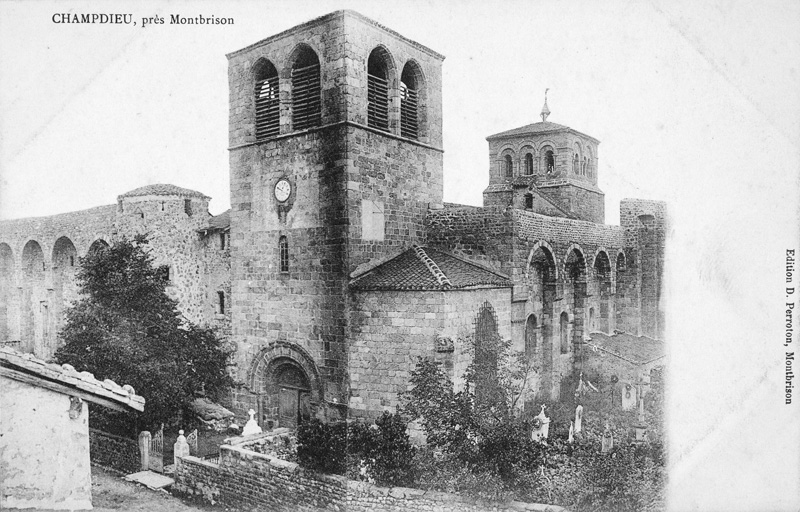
(485, 449)
(125, 328)
(380, 452)
(478, 443)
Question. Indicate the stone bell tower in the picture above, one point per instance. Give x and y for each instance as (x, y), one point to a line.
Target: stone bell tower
(547, 168)
(335, 157)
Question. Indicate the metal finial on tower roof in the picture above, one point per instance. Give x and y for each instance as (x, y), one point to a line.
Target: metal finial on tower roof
(545, 110)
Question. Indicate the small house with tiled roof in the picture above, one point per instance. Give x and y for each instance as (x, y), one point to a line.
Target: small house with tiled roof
(44, 431)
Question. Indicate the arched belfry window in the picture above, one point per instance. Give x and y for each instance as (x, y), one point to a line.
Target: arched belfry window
(267, 100)
(306, 90)
(409, 101)
(549, 161)
(378, 90)
(283, 245)
(528, 164)
(576, 164)
(508, 166)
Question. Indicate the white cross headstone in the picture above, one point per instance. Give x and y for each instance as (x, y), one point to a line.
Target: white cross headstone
(181, 448)
(541, 427)
(578, 418)
(251, 427)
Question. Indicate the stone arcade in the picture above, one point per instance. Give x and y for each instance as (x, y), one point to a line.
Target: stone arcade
(338, 263)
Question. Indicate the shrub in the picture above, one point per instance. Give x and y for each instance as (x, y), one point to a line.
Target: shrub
(322, 446)
(383, 448)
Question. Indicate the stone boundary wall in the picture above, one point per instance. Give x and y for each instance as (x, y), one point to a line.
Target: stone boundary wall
(249, 479)
(115, 452)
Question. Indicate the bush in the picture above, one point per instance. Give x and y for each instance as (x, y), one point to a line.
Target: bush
(322, 446)
(126, 328)
(383, 449)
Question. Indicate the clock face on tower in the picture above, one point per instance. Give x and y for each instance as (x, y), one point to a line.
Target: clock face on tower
(282, 190)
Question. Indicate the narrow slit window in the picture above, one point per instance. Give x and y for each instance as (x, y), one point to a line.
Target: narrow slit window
(267, 100)
(409, 103)
(528, 164)
(221, 303)
(306, 91)
(284, 253)
(377, 91)
(187, 207)
(222, 241)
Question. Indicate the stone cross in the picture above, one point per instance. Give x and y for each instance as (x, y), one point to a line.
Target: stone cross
(181, 448)
(578, 418)
(251, 427)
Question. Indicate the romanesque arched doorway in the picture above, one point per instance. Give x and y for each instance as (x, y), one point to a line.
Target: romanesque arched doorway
(289, 383)
(285, 384)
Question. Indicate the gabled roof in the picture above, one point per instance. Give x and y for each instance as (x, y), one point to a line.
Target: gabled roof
(66, 380)
(420, 268)
(219, 222)
(537, 128)
(163, 189)
(637, 350)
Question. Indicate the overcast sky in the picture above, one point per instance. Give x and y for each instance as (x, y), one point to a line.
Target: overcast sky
(697, 105)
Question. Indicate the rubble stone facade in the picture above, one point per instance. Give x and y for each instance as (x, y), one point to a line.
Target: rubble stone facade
(335, 143)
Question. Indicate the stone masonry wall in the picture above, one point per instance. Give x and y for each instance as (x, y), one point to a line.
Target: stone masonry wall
(217, 278)
(588, 204)
(304, 305)
(357, 193)
(119, 453)
(253, 480)
(38, 259)
(390, 330)
(645, 226)
(462, 308)
(172, 229)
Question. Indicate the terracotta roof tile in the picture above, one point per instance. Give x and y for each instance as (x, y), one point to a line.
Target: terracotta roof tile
(66, 375)
(162, 189)
(421, 268)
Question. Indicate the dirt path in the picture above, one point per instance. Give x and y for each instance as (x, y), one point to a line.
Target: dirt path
(111, 493)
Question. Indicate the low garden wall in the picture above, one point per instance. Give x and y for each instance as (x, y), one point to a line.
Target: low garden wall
(115, 452)
(246, 478)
